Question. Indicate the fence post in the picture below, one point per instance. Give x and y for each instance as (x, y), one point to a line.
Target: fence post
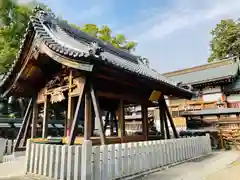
(77, 163)
(86, 160)
(208, 143)
(27, 159)
(46, 160)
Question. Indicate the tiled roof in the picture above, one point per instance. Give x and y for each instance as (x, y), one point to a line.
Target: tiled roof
(70, 42)
(206, 73)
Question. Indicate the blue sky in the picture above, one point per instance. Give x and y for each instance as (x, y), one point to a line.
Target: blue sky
(172, 34)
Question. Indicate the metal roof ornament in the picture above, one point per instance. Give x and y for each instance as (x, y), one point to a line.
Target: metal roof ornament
(95, 49)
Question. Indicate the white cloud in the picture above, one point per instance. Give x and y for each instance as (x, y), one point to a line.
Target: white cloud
(182, 15)
(178, 36)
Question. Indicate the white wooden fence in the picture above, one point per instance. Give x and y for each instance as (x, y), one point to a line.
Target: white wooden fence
(9, 146)
(115, 161)
(6, 149)
(3, 143)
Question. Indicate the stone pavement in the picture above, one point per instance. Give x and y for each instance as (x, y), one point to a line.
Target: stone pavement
(218, 166)
(12, 168)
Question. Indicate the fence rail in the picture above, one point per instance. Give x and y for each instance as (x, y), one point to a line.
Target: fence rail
(115, 161)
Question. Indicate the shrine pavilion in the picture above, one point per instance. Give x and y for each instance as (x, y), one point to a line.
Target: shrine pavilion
(58, 64)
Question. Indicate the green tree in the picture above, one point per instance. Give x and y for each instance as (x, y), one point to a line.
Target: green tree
(91, 29)
(105, 33)
(13, 21)
(225, 40)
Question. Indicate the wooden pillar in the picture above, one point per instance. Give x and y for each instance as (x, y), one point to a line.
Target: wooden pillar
(121, 121)
(70, 108)
(107, 120)
(45, 117)
(161, 110)
(24, 125)
(34, 118)
(145, 122)
(170, 119)
(166, 124)
(74, 123)
(87, 117)
(111, 123)
(97, 114)
(25, 135)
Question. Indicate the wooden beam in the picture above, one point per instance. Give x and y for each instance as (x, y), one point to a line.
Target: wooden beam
(45, 117)
(97, 114)
(110, 78)
(121, 121)
(87, 117)
(170, 119)
(74, 124)
(124, 96)
(34, 117)
(145, 122)
(23, 126)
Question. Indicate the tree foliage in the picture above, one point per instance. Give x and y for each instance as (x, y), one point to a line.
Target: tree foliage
(14, 18)
(105, 33)
(13, 21)
(225, 40)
